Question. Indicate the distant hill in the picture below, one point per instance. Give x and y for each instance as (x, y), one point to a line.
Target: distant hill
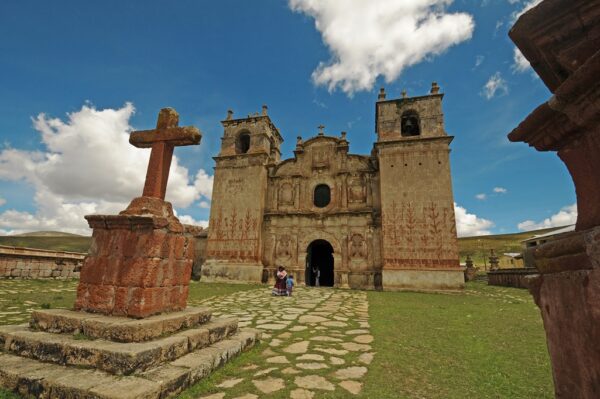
(47, 234)
(64, 242)
(480, 246)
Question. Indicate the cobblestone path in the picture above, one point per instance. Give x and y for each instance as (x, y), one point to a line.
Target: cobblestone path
(317, 341)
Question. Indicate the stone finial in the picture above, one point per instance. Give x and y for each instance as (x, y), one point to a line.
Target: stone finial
(404, 94)
(343, 136)
(299, 140)
(435, 89)
(256, 114)
(321, 132)
(167, 117)
(469, 261)
(229, 115)
(264, 110)
(381, 95)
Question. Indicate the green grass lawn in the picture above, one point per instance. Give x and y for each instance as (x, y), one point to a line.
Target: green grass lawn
(486, 343)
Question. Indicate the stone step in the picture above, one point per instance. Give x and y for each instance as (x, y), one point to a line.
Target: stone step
(119, 329)
(30, 377)
(113, 357)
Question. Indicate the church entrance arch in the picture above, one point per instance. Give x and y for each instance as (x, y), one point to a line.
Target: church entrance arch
(319, 264)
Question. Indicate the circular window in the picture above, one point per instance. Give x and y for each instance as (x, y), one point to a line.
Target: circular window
(322, 196)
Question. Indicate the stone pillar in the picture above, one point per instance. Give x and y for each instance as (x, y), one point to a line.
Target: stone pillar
(561, 40)
(138, 265)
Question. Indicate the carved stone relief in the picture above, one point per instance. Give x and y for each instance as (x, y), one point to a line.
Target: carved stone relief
(357, 191)
(357, 248)
(286, 194)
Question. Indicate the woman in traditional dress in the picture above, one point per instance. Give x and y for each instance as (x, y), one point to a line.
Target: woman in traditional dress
(280, 288)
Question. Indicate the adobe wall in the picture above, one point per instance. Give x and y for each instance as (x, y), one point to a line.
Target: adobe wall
(29, 263)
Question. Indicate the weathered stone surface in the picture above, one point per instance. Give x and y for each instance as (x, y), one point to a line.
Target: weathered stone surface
(314, 382)
(269, 384)
(117, 328)
(351, 372)
(118, 358)
(353, 387)
(568, 289)
(302, 394)
(299, 347)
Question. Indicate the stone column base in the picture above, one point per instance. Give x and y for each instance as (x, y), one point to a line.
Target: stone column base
(567, 292)
(217, 271)
(423, 280)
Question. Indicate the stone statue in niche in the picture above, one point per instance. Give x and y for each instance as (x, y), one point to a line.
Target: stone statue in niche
(357, 246)
(284, 247)
(357, 192)
(320, 157)
(286, 194)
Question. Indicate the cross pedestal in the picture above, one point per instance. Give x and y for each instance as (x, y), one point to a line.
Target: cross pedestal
(140, 261)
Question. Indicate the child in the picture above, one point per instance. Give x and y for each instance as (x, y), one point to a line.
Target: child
(289, 284)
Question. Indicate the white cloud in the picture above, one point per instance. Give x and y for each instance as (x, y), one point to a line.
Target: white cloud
(479, 60)
(481, 196)
(187, 219)
(528, 6)
(468, 224)
(2, 201)
(564, 217)
(513, 1)
(204, 204)
(86, 167)
(495, 84)
(520, 63)
(500, 190)
(367, 39)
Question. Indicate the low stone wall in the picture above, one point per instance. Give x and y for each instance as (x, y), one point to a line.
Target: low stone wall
(26, 263)
(511, 277)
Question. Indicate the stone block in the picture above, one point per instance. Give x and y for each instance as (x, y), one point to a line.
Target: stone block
(172, 379)
(118, 329)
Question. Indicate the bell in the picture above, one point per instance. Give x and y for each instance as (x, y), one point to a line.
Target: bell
(408, 123)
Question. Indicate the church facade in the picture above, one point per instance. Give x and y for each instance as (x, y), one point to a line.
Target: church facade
(333, 218)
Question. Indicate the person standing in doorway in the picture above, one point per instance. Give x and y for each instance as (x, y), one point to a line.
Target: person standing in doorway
(316, 275)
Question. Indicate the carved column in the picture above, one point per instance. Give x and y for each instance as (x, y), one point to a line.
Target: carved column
(561, 40)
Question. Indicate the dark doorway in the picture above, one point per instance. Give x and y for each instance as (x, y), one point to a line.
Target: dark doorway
(319, 264)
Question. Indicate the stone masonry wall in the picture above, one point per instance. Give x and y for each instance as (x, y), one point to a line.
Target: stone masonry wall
(29, 263)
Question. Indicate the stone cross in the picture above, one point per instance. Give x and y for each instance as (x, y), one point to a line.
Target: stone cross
(162, 140)
(321, 127)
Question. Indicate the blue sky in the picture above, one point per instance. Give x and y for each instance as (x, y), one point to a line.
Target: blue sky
(90, 60)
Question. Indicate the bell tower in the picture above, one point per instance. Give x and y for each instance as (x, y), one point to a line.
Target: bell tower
(248, 146)
(419, 245)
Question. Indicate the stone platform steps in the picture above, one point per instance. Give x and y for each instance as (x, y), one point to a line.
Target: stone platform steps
(69, 354)
(114, 357)
(47, 380)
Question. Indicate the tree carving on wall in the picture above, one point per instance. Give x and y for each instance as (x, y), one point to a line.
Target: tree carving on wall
(417, 235)
(233, 237)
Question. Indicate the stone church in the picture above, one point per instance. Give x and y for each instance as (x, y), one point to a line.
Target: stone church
(333, 218)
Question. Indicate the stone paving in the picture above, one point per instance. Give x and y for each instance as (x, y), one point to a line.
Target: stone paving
(317, 341)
